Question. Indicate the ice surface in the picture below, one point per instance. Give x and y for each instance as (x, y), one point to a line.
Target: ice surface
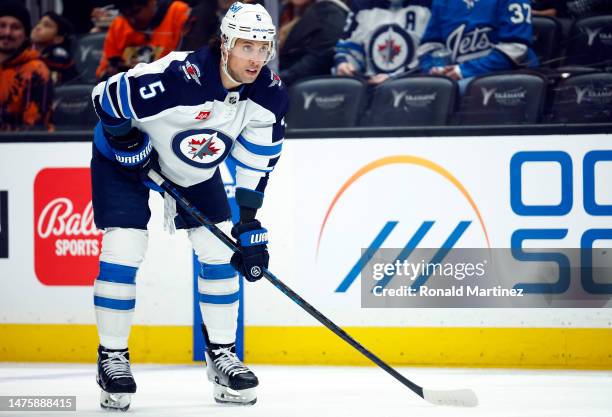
(316, 391)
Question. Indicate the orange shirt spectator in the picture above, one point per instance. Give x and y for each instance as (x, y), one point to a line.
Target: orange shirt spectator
(25, 83)
(144, 32)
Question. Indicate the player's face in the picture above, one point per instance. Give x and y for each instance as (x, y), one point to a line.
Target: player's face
(45, 32)
(12, 34)
(247, 58)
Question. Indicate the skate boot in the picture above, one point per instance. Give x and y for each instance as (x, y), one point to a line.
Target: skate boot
(115, 378)
(233, 382)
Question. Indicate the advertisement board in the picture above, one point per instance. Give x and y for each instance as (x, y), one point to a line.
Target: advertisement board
(329, 204)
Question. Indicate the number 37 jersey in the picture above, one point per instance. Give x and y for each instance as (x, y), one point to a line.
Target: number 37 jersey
(481, 35)
(195, 123)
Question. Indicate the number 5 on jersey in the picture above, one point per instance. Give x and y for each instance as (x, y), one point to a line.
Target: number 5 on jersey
(149, 91)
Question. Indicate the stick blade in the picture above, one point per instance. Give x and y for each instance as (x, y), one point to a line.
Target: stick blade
(456, 398)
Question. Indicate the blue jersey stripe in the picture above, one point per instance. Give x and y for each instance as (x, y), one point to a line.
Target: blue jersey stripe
(260, 149)
(123, 95)
(106, 104)
(350, 45)
(243, 165)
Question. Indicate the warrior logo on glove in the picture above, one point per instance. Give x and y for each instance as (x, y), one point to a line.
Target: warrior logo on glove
(252, 240)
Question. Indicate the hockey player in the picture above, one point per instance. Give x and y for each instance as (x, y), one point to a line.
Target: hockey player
(381, 38)
(192, 110)
(479, 37)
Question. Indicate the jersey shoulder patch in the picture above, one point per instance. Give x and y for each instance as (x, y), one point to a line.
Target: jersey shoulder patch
(269, 91)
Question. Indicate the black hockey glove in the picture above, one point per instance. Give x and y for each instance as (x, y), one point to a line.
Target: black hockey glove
(135, 153)
(253, 256)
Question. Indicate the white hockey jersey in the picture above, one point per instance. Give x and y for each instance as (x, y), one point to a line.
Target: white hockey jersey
(381, 37)
(195, 123)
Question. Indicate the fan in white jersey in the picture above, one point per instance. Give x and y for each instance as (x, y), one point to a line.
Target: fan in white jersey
(185, 114)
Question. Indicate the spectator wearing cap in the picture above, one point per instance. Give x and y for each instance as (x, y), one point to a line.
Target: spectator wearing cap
(51, 37)
(25, 84)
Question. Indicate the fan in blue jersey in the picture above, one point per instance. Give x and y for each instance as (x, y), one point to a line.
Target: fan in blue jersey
(185, 114)
(466, 38)
(381, 38)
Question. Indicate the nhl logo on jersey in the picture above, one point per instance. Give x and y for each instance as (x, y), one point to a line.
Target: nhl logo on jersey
(391, 49)
(202, 148)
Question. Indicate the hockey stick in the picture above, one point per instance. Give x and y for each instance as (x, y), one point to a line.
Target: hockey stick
(460, 398)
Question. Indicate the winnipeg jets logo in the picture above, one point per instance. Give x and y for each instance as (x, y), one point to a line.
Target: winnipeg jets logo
(470, 45)
(202, 148)
(275, 79)
(192, 72)
(391, 48)
(470, 3)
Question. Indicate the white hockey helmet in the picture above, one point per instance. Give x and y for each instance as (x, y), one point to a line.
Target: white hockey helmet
(248, 21)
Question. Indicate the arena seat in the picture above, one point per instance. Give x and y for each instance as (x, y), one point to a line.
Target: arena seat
(325, 102)
(73, 109)
(503, 98)
(424, 100)
(590, 42)
(583, 98)
(546, 39)
(87, 53)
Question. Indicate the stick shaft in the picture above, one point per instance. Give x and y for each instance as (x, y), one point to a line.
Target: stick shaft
(191, 209)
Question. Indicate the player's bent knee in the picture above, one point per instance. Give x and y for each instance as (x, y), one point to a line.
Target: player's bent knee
(124, 246)
(208, 247)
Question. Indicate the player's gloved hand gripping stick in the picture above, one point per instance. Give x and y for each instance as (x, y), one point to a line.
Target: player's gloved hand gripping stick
(460, 397)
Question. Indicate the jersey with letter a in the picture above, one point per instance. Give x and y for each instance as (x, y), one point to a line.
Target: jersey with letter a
(195, 123)
(482, 35)
(382, 37)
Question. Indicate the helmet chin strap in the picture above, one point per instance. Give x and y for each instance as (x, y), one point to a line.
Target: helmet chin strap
(225, 59)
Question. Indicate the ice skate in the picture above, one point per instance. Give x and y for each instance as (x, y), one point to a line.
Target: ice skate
(233, 382)
(115, 378)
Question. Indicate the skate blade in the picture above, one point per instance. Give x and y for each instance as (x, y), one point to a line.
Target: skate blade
(115, 402)
(226, 395)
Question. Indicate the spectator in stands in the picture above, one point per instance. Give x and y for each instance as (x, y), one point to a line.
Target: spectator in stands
(308, 33)
(546, 7)
(204, 20)
(89, 15)
(571, 8)
(466, 38)
(145, 31)
(381, 39)
(25, 84)
(51, 37)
